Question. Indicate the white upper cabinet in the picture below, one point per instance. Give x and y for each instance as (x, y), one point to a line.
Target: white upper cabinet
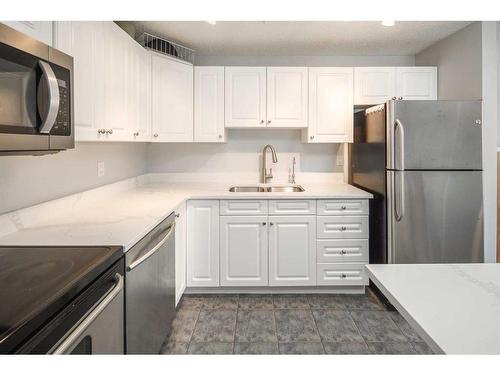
(373, 85)
(292, 250)
(330, 106)
(172, 100)
(416, 83)
(40, 30)
(243, 251)
(209, 104)
(245, 97)
(287, 97)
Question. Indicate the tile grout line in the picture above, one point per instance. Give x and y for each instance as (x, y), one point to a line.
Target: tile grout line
(317, 330)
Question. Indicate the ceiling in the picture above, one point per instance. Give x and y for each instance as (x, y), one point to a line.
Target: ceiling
(302, 38)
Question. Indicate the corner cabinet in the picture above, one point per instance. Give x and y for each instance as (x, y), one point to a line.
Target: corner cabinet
(330, 106)
(171, 99)
(375, 85)
(209, 104)
(202, 243)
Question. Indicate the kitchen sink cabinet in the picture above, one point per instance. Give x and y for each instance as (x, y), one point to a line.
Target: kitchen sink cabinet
(292, 250)
(243, 251)
(171, 99)
(203, 243)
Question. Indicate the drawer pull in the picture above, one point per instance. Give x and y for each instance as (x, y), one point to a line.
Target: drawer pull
(343, 252)
(343, 228)
(343, 207)
(264, 223)
(343, 276)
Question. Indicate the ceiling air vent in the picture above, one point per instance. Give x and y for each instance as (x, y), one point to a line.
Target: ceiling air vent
(166, 47)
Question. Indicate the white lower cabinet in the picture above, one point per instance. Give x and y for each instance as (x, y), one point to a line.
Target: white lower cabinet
(180, 251)
(292, 250)
(202, 243)
(341, 274)
(243, 251)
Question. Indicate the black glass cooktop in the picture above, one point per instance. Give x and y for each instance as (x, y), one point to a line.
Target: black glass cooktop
(37, 282)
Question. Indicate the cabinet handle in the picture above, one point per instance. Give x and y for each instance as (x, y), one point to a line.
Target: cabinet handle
(101, 131)
(177, 215)
(136, 134)
(343, 276)
(393, 98)
(343, 252)
(311, 137)
(342, 229)
(271, 223)
(400, 98)
(343, 207)
(155, 135)
(268, 121)
(220, 136)
(261, 121)
(109, 131)
(264, 223)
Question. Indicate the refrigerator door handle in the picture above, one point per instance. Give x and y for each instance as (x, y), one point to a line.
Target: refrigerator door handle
(399, 196)
(399, 143)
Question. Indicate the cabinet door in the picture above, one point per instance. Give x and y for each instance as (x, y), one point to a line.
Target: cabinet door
(330, 105)
(180, 252)
(84, 41)
(40, 30)
(209, 104)
(172, 100)
(116, 83)
(203, 243)
(292, 250)
(416, 83)
(374, 85)
(287, 97)
(243, 251)
(245, 97)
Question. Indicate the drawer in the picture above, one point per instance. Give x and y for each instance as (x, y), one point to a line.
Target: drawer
(243, 207)
(340, 227)
(340, 251)
(344, 207)
(341, 274)
(292, 207)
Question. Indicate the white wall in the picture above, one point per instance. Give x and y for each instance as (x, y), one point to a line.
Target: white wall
(306, 60)
(458, 58)
(467, 69)
(28, 180)
(242, 154)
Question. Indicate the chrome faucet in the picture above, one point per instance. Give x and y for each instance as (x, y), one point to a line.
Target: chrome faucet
(265, 177)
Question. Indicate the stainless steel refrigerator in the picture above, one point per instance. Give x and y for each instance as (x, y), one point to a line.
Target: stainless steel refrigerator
(422, 162)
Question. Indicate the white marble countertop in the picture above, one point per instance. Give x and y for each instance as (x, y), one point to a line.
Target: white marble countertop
(124, 212)
(454, 307)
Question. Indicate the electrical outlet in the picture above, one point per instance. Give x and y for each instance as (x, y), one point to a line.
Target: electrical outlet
(101, 171)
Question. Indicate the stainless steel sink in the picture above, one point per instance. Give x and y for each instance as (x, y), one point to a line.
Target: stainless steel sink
(285, 189)
(247, 189)
(267, 189)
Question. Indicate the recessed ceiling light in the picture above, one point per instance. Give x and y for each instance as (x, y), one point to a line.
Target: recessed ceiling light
(212, 22)
(388, 23)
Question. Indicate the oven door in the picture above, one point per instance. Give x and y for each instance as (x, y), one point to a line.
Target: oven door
(102, 330)
(35, 95)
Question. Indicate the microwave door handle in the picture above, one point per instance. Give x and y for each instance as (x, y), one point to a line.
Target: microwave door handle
(53, 98)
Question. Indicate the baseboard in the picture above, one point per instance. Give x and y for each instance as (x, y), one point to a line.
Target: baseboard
(277, 290)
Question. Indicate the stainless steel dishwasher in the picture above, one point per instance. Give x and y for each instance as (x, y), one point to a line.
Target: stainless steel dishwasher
(150, 289)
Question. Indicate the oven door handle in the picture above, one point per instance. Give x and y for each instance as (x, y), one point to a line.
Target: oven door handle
(137, 262)
(75, 334)
(49, 118)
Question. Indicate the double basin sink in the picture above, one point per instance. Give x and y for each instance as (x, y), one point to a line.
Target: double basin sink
(267, 189)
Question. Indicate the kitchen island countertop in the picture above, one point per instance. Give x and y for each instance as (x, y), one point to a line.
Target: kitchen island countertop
(455, 308)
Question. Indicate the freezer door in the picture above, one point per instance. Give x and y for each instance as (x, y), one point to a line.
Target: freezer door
(430, 134)
(435, 217)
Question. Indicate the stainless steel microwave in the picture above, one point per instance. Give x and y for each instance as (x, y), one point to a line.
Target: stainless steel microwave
(36, 101)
